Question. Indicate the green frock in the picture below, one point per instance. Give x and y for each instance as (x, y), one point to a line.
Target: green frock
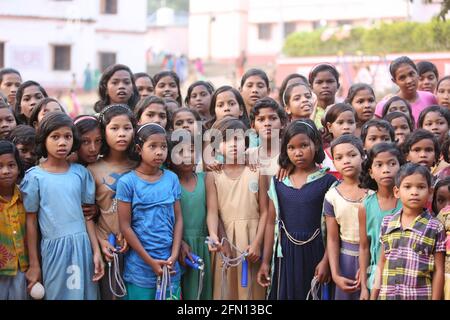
(193, 207)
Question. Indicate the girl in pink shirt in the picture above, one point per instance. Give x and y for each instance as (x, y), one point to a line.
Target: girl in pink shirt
(405, 76)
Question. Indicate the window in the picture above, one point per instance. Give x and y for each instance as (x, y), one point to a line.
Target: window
(264, 31)
(106, 59)
(2, 54)
(108, 6)
(61, 58)
(289, 27)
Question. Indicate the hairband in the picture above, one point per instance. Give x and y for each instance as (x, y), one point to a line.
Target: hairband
(85, 118)
(150, 124)
(306, 124)
(102, 113)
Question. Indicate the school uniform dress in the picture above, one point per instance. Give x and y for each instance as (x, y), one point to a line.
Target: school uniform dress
(13, 249)
(66, 251)
(345, 211)
(195, 231)
(153, 222)
(299, 213)
(374, 218)
(444, 218)
(409, 252)
(239, 211)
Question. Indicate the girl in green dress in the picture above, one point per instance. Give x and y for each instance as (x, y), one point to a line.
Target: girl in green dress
(193, 207)
(379, 171)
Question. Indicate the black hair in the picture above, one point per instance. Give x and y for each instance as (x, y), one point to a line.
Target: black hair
(17, 109)
(7, 147)
(4, 105)
(208, 85)
(53, 121)
(355, 88)
(307, 127)
(392, 100)
(145, 131)
(212, 108)
(145, 102)
(285, 83)
(288, 91)
(3, 98)
(230, 123)
(440, 183)
(43, 103)
(86, 123)
(268, 102)
(103, 87)
(426, 66)
(194, 112)
(442, 80)
(350, 139)
(379, 124)
(366, 181)
(418, 135)
(157, 77)
(255, 72)
(395, 65)
(106, 116)
(443, 112)
(6, 71)
(444, 149)
(23, 134)
(186, 109)
(397, 114)
(138, 75)
(323, 67)
(331, 115)
(408, 169)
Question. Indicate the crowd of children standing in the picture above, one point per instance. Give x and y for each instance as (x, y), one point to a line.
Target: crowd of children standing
(229, 193)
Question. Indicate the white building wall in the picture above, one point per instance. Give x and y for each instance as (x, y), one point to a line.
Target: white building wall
(30, 28)
(171, 39)
(217, 29)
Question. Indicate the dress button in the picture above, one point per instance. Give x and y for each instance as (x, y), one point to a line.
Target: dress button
(14, 232)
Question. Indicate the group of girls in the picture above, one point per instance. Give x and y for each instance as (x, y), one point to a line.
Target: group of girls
(266, 197)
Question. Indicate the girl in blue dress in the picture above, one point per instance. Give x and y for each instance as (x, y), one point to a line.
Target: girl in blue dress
(53, 195)
(150, 218)
(293, 236)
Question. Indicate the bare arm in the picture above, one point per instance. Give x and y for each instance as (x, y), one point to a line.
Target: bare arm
(333, 246)
(99, 267)
(333, 250)
(364, 252)
(212, 217)
(178, 231)
(378, 276)
(438, 276)
(263, 276)
(263, 200)
(33, 274)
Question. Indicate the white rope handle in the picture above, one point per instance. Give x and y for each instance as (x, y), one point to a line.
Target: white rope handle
(117, 277)
(314, 291)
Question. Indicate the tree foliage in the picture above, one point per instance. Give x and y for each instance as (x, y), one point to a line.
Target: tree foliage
(385, 38)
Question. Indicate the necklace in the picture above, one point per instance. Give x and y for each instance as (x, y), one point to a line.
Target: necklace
(148, 174)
